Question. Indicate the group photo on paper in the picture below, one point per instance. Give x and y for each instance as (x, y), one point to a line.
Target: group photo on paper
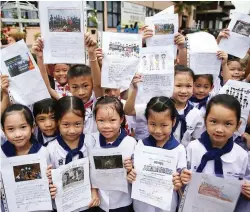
(94, 120)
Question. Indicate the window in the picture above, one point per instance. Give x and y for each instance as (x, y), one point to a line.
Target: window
(96, 5)
(149, 12)
(114, 13)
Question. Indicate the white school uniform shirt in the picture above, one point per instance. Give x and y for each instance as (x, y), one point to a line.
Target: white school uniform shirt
(234, 163)
(181, 163)
(113, 199)
(58, 154)
(140, 123)
(195, 126)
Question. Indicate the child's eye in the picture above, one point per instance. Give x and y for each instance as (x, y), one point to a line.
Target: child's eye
(178, 86)
(41, 119)
(65, 125)
(85, 86)
(113, 119)
(10, 129)
(228, 124)
(24, 126)
(213, 121)
(78, 124)
(164, 125)
(152, 124)
(100, 120)
(52, 117)
(189, 86)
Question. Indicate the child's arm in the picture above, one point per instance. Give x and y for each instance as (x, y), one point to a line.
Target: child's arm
(129, 107)
(37, 49)
(225, 70)
(95, 68)
(179, 40)
(95, 201)
(223, 34)
(5, 100)
(99, 56)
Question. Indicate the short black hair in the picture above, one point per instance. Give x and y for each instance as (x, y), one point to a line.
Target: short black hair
(78, 71)
(209, 77)
(183, 69)
(44, 106)
(227, 101)
(69, 104)
(161, 104)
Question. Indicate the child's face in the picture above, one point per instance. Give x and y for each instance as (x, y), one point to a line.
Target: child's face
(160, 125)
(17, 130)
(81, 87)
(108, 122)
(71, 126)
(235, 70)
(202, 87)
(112, 92)
(221, 123)
(46, 123)
(60, 73)
(183, 87)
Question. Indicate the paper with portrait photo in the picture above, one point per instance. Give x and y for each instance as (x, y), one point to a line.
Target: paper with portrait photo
(209, 193)
(164, 29)
(237, 44)
(26, 83)
(241, 91)
(73, 185)
(107, 170)
(26, 184)
(154, 168)
(62, 29)
(121, 59)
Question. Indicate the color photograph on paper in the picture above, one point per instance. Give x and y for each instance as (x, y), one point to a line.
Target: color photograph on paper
(164, 29)
(210, 190)
(19, 64)
(64, 20)
(72, 176)
(242, 28)
(125, 50)
(27, 172)
(108, 162)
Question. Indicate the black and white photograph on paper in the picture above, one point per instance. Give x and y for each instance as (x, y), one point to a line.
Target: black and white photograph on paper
(108, 162)
(27, 172)
(64, 20)
(242, 28)
(19, 64)
(72, 176)
(125, 50)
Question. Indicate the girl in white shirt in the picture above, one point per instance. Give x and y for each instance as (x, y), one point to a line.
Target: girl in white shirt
(215, 152)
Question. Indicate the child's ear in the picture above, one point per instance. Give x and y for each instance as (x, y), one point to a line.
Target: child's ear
(212, 87)
(221, 73)
(122, 120)
(33, 128)
(174, 121)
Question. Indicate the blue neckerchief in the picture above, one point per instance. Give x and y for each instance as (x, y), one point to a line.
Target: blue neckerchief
(213, 154)
(41, 140)
(71, 152)
(182, 119)
(202, 102)
(116, 143)
(10, 150)
(172, 143)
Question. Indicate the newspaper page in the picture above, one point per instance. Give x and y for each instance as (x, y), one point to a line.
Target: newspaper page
(202, 53)
(73, 185)
(107, 170)
(164, 29)
(208, 193)
(154, 168)
(26, 83)
(241, 91)
(121, 59)
(26, 184)
(157, 70)
(238, 42)
(62, 28)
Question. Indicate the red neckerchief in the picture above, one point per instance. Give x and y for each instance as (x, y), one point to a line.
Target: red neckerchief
(89, 104)
(64, 88)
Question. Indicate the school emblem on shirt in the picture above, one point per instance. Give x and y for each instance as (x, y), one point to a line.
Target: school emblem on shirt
(60, 162)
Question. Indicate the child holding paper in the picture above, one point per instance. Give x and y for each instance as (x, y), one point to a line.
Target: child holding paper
(109, 116)
(81, 80)
(70, 144)
(189, 122)
(44, 114)
(215, 152)
(161, 117)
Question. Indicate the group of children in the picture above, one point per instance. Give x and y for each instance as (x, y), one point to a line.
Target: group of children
(196, 122)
